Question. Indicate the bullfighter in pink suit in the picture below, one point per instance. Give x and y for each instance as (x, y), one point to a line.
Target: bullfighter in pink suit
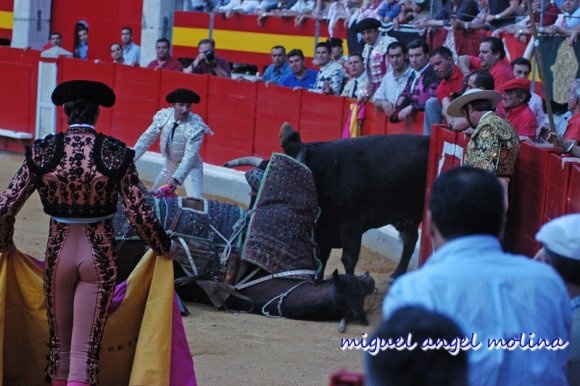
(79, 176)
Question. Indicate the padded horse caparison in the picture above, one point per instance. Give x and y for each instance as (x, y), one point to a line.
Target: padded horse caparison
(202, 228)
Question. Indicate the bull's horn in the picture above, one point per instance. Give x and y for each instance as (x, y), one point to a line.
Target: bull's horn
(244, 161)
(285, 131)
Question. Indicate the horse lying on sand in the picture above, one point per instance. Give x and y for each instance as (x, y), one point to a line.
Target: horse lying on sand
(259, 261)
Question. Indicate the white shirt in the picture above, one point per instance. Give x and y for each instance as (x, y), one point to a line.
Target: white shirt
(131, 54)
(497, 296)
(392, 87)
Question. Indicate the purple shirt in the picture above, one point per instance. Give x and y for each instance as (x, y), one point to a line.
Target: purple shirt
(422, 89)
(203, 68)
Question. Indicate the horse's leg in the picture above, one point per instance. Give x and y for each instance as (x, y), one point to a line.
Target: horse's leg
(350, 237)
(323, 256)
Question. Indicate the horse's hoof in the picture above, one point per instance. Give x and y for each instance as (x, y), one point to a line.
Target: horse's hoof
(342, 325)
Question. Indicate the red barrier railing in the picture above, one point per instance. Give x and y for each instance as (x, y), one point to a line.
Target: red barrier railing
(246, 118)
(573, 195)
(18, 77)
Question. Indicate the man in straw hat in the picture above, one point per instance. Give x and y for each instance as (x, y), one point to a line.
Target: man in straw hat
(561, 249)
(494, 145)
(80, 174)
(181, 134)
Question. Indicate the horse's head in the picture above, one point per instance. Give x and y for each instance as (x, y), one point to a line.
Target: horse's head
(350, 292)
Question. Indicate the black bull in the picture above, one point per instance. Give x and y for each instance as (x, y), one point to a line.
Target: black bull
(364, 183)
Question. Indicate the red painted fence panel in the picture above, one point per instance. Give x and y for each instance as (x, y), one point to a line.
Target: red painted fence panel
(557, 180)
(573, 196)
(321, 117)
(374, 123)
(527, 198)
(137, 92)
(274, 106)
(231, 110)
(18, 77)
(444, 154)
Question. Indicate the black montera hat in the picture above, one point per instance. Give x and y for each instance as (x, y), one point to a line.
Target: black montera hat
(366, 24)
(89, 90)
(334, 42)
(182, 95)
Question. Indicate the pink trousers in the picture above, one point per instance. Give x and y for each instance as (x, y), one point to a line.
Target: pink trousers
(79, 283)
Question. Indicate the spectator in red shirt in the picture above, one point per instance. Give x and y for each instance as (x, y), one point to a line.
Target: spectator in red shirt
(449, 87)
(516, 95)
(571, 138)
(164, 60)
(491, 58)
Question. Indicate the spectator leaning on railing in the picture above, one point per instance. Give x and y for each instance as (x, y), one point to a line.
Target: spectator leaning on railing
(374, 53)
(332, 76)
(299, 76)
(569, 141)
(131, 51)
(208, 62)
(394, 81)
(279, 67)
(164, 59)
(568, 21)
(491, 58)
(356, 87)
(516, 95)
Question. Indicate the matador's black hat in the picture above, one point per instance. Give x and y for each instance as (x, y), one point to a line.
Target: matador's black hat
(89, 90)
(366, 24)
(182, 95)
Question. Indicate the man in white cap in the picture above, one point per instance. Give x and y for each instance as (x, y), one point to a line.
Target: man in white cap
(494, 145)
(560, 240)
(181, 134)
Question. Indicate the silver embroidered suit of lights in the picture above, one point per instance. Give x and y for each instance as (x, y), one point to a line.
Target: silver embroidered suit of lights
(181, 152)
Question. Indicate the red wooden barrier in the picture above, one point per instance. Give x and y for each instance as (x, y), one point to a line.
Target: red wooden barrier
(557, 180)
(527, 198)
(320, 117)
(374, 123)
(231, 111)
(404, 127)
(274, 106)
(137, 91)
(573, 196)
(18, 77)
(444, 154)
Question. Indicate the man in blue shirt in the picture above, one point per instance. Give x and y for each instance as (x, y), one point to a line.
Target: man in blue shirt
(505, 304)
(279, 67)
(299, 75)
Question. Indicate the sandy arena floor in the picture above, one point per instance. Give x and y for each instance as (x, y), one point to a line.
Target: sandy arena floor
(242, 349)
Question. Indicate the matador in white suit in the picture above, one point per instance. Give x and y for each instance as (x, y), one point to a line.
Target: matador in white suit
(181, 134)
